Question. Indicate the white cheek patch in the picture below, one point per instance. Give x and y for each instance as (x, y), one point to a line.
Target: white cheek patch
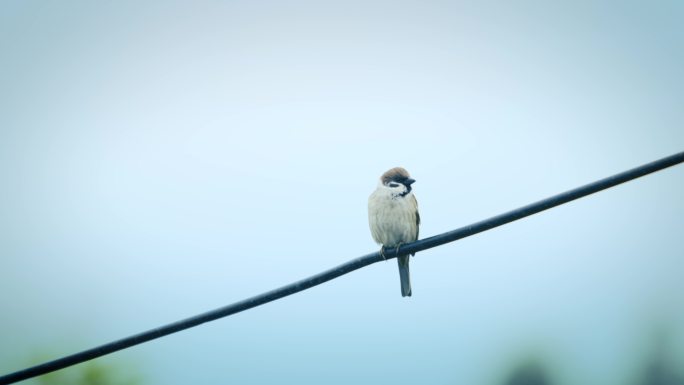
(395, 189)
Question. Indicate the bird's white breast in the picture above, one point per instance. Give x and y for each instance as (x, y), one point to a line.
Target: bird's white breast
(392, 219)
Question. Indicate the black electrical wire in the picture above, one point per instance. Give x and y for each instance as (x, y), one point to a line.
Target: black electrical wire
(342, 269)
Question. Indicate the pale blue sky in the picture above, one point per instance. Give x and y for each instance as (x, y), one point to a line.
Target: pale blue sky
(161, 159)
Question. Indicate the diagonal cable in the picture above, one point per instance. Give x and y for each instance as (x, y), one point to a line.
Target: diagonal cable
(354, 264)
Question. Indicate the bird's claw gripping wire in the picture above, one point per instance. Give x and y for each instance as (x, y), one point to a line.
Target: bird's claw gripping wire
(396, 249)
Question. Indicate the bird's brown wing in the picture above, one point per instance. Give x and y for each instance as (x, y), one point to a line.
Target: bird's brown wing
(415, 204)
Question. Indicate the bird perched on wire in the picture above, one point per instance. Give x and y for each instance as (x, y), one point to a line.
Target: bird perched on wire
(394, 219)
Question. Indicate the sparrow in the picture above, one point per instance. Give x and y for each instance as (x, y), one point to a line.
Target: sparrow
(393, 218)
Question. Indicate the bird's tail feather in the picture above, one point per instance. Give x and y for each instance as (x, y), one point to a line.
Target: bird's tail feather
(404, 275)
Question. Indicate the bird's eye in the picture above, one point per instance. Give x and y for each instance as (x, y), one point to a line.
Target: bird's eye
(392, 184)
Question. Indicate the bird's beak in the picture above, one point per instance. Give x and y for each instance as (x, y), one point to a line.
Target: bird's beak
(409, 181)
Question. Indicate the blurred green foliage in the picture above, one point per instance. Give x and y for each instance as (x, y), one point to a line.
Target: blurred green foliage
(528, 373)
(96, 372)
(660, 367)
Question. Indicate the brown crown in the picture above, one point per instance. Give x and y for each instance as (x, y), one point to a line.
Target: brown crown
(397, 174)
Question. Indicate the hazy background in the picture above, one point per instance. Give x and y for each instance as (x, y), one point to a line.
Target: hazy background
(161, 159)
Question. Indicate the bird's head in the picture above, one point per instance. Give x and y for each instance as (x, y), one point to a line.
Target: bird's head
(397, 180)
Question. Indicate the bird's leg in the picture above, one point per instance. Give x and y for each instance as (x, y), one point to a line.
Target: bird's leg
(382, 252)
